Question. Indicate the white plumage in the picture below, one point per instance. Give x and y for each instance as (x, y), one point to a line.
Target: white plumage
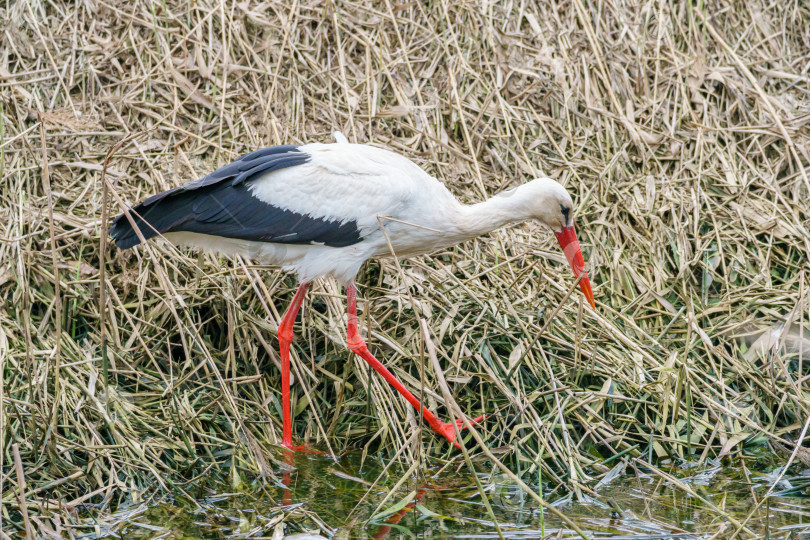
(363, 184)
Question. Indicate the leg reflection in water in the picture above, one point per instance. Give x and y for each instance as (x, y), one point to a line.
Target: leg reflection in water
(383, 531)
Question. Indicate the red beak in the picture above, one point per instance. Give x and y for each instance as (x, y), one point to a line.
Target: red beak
(570, 246)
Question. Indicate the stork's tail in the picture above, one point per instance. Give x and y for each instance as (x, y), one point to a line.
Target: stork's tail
(124, 235)
(151, 217)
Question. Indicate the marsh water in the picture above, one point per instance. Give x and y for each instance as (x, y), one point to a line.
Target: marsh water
(346, 498)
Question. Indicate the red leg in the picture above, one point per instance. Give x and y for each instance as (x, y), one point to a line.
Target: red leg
(356, 344)
(285, 337)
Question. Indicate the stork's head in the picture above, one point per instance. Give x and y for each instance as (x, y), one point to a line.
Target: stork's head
(552, 206)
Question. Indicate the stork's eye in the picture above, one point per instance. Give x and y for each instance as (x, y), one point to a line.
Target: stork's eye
(566, 212)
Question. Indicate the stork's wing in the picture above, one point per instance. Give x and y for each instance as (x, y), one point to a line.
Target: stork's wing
(223, 203)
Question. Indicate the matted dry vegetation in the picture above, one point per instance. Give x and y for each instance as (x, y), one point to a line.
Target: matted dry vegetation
(681, 131)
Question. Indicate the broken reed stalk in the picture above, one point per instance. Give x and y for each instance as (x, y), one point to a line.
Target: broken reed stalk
(678, 131)
(57, 287)
(18, 466)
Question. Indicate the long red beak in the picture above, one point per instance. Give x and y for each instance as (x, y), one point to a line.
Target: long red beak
(570, 246)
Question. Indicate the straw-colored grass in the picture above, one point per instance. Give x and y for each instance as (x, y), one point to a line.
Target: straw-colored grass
(682, 131)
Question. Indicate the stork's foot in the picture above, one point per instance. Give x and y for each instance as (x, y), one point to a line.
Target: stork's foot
(303, 449)
(448, 431)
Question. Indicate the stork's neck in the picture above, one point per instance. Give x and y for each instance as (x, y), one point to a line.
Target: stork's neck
(501, 210)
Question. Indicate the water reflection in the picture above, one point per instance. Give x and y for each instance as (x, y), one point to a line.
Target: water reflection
(340, 498)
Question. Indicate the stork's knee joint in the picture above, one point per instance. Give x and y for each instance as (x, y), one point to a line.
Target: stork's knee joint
(285, 335)
(356, 343)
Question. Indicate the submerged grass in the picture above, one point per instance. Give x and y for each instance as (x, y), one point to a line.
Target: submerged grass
(635, 505)
(681, 129)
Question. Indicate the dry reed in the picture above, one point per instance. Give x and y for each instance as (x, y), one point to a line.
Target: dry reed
(680, 129)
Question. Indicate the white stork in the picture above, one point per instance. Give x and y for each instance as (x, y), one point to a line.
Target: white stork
(315, 209)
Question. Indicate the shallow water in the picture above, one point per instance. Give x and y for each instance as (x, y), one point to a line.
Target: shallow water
(335, 498)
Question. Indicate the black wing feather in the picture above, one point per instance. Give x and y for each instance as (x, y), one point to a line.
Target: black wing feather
(221, 204)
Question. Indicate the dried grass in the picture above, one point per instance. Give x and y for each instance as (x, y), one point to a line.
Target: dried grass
(682, 133)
